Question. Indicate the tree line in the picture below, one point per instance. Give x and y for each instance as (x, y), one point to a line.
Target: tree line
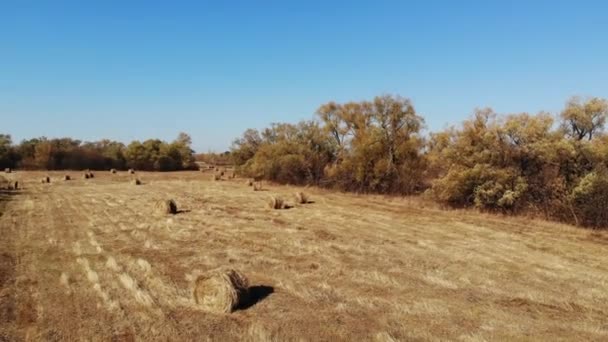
(66, 153)
(552, 165)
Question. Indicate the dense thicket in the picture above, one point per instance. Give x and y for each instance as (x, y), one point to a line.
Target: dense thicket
(66, 153)
(555, 166)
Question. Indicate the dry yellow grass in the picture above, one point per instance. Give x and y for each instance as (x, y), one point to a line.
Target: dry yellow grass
(87, 261)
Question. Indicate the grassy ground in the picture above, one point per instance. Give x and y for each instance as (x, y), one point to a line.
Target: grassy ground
(90, 260)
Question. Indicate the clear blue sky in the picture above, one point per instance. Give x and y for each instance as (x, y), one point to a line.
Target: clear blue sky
(137, 69)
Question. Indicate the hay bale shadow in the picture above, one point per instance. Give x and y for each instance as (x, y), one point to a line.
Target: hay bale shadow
(182, 211)
(255, 295)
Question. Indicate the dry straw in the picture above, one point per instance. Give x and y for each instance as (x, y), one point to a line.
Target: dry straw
(166, 207)
(221, 290)
(301, 197)
(275, 203)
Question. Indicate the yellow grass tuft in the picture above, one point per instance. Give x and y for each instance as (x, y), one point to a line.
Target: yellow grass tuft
(221, 290)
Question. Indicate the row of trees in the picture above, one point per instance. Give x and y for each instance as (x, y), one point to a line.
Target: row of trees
(509, 163)
(66, 153)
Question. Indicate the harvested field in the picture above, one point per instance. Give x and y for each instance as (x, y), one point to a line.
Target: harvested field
(88, 260)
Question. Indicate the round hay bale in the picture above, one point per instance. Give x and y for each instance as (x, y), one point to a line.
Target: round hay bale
(249, 182)
(166, 207)
(216, 177)
(46, 179)
(301, 197)
(257, 186)
(8, 170)
(136, 181)
(131, 171)
(85, 176)
(275, 202)
(16, 185)
(222, 173)
(67, 178)
(113, 171)
(91, 175)
(221, 290)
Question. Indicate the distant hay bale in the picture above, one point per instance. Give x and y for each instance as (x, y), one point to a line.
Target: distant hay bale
(216, 177)
(131, 171)
(91, 175)
(257, 186)
(301, 197)
(85, 176)
(249, 182)
(67, 178)
(217, 169)
(8, 170)
(221, 290)
(166, 207)
(113, 171)
(222, 173)
(16, 185)
(136, 181)
(275, 203)
(46, 179)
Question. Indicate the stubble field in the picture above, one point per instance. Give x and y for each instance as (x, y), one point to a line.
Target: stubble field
(91, 260)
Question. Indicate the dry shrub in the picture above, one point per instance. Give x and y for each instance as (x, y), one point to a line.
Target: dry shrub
(275, 203)
(221, 290)
(136, 181)
(301, 197)
(67, 178)
(166, 207)
(8, 170)
(113, 171)
(131, 171)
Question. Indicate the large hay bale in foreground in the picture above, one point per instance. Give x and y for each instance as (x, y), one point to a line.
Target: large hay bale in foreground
(136, 181)
(275, 203)
(301, 197)
(221, 290)
(67, 178)
(166, 207)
